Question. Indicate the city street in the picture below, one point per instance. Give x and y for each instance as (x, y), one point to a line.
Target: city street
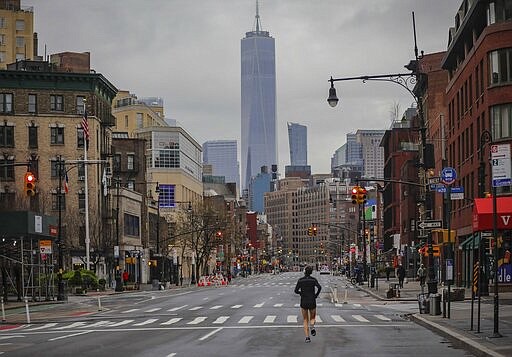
(254, 316)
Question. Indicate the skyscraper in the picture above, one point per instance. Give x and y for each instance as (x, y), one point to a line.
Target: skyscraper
(298, 140)
(258, 107)
(222, 155)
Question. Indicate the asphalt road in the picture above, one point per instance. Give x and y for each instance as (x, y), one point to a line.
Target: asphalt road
(255, 316)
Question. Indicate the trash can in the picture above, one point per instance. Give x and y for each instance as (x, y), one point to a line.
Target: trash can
(435, 304)
(423, 303)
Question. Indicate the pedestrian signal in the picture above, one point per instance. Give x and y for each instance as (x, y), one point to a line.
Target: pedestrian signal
(30, 184)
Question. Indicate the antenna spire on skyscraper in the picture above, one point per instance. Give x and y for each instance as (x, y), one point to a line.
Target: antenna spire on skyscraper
(257, 16)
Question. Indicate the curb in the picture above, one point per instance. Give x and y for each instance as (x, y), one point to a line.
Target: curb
(456, 338)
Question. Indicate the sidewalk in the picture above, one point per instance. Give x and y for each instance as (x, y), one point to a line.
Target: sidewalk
(457, 328)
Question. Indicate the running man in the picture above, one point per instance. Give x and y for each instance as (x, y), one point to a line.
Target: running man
(306, 288)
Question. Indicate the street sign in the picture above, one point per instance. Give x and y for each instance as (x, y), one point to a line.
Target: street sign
(501, 165)
(430, 224)
(434, 180)
(448, 175)
(45, 246)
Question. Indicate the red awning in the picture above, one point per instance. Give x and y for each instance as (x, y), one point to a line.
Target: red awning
(483, 213)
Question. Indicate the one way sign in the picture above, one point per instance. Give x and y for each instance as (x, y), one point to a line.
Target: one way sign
(430, 224)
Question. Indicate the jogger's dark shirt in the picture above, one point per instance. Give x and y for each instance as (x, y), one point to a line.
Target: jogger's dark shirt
(306, 288)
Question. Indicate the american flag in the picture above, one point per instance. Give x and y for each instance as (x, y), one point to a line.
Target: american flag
(85, 125)
(66, 187)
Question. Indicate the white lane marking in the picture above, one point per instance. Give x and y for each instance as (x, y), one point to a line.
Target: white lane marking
(296, 305)
(245, 319)
(42, 327)
(97, 324)
(195, 308)
(171, 321)
(177, 308)
(197, 320)
(383, 318)
(171, 355)
(236, 306)
(269, 319)
(338, 318)
(210, 334)
(215, 307)
(72, 335)
(320, 304)
(259, 305)
(360, 318)
(291, 319)
(318, 319)
(128, 311)
(121, 323)
(221, 319)
(357, 305)
(206, 298)
(74, 324)
(153, 309)
(278, 305)
(147, 322)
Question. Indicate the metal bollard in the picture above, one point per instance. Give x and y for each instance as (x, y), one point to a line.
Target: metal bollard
(346, 294)
(27, 311)
(99, 299)
(3, 309)
(336, 293)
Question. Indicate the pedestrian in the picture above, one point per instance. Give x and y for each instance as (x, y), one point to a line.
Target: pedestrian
(388, 271)
(306, 288)
(401, 275)
(422, 274)
(126, 276)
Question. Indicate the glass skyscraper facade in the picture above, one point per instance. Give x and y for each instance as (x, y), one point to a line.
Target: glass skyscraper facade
(222, 155)
(258, 107)
(298, 141)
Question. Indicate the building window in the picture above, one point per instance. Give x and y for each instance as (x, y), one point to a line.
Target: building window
(57, 136)
(20, 56)
(80, 104)
(20, 41)
(130, 184)
(20, 25)
(6, 169)
(117, 163)
(32, 103)
(501, 121)
(54, 169)
(32, 137)
(3, 23)
(57, 103)
(126, 121)
(81, 201)
(130, 162)
(80, 140)
(81, 172)
(55, 201)
(6, 199)
(5, 102)
(166, 195)
(34, 165)
(140, 120)
(7, 136)
(131, 225)
(500, 62)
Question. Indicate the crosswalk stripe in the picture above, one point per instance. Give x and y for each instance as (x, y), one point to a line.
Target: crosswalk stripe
(147, 322)
(318, 319)
(153, 309)
(383, 318)
(338, 318)
(73, 325)
(269, 319)
(177, 308)
(195, 308)
(360, 318)
(98, 324)
(221, 319)
(236, 306)
(245, 319)
(171, 321)
(320, 304)
(259, 305)
(42, 326)
(197, 320)
(296, 305)
(278, 305)
(291, 318)
(357, 305)
(128, 311)
(215, 307)
(121, 323)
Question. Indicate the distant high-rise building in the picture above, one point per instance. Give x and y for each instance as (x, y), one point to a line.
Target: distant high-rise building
(222, 156)
(258, 107)
(298, 140)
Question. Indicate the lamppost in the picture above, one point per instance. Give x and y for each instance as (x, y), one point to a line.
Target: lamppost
(119, 284)
(406, 81)
(60, 288)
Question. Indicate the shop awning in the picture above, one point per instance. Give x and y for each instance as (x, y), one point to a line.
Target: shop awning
(468, 243)
(483, 213)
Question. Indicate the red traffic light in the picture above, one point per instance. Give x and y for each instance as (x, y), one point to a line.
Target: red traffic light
(355, 192)
(30, 184)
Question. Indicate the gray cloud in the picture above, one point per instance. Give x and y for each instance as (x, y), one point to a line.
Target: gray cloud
(188, 52)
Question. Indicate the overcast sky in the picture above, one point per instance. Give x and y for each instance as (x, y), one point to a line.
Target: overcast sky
(188, 53)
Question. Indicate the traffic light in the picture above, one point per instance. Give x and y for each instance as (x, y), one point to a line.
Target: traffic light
(315, 229)
(361, 195)
(310, 231)
(218, 234)
(30, 184)
(355, 191)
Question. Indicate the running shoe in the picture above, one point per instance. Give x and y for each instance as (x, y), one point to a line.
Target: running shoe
(313, 332)
(308, 340)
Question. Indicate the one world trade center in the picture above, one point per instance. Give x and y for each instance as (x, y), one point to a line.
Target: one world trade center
(258, 94)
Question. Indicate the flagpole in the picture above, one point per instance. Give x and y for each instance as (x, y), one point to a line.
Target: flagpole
(86, 142)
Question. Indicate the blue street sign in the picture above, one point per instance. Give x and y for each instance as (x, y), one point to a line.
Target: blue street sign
(448, 175)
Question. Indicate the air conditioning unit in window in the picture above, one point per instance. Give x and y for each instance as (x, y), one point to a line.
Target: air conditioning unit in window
(81, 178)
